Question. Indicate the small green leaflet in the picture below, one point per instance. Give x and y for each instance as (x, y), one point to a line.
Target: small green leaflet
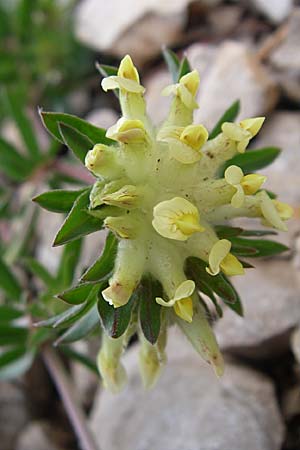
(12, 163)
(115, 320)
(78, 294)
(106, 70)
(176, 67)
(79, 222)
(58, 200)
(78, 143)
(105, 263)
(253, 160)
(256, 247)
(51, 121)
(149, 310)
(229, 116)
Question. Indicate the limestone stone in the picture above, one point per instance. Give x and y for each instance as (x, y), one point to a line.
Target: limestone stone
(189, 409)
(270, 296)
(235, 73)
(127, 27)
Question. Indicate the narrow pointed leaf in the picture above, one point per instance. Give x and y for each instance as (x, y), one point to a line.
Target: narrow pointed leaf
(78, 294)
(12, 334)
(106, 70)
(184, 68)
(254, 159)
(262, 247)
(149, 310)
(172, 62)
(79, 222)
(83, 327)
(114, 320)
(58, 200)
(78, 143)
(40, 271)
(51, 121)
(68, 263)
(12, 163)
(8, 313)
(105, 263)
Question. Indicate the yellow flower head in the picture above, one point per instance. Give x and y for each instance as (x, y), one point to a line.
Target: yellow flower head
(244, 131)
(127, 79)
(244, 184)
(176, 219)
(220, 258)
(128, 197)
(182, 301)
(184, 142)
(186, 89)
(127, 131)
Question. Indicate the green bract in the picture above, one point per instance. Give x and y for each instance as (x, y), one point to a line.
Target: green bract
(166, 195)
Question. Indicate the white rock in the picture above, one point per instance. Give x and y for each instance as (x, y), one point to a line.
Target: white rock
(235, 74)
(189, 409)
(275, 10)
(33, 437)
(128, 26)
(270, 296)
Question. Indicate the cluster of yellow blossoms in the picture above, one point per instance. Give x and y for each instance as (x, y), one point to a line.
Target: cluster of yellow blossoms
(166, 196)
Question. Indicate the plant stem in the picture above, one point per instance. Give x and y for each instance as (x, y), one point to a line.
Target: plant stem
(71, 404)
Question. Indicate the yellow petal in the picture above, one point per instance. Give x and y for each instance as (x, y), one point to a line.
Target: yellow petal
(184, 309)
(127, 130)
(218, 252)
(117, 294)
(185, 289)
(191, 81)
(233, 175)
(128, 196)
(252, 183)
(127, 69)
(232, 266)
(123, 226)
(116, 82)
(176, 219)
(253, 125)
(194, 136)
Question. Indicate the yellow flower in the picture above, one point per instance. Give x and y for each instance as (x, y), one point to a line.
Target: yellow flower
(182, 301)
(124, 226)
(184, 142)
(244, 131)
(244, 184)
(176, 219)
(274, 212)
(127, 79)
(110, 367)
(128, 197)
(220, 258)
(186, 89)
(127, 131)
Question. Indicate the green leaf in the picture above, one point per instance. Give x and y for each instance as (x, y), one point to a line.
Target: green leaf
(172, 62)
(262, 247)
(184, 68)
(237, 306)
(51, 121)
(39, 271)
(229, 116)
(16, 106)
(58, 200)
(78, 143)
(196, 269)
(78, 294)
(106, 70)
(65, 319)
(8, 313)
(12, 335)
(12, 163)
(149, 310)
(205, 289)
(81, 328)
(253, 160)
(226, 232)
(79, 222)
(115, 320)
(80, 357)
(68, 263)
(18, 362)
(258, 232)
(9, 283)
(105, 263)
